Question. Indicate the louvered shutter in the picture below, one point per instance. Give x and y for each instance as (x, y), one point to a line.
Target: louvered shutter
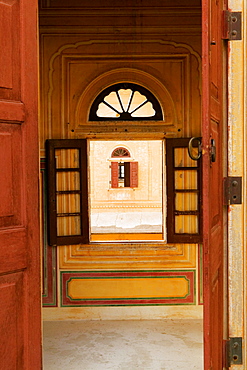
(133, 174)
(184, 198)
(68, 220)
(114, 174)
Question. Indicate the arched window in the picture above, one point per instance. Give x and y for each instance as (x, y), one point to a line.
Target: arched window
(125, 102)
(120, 152)
(124, 173)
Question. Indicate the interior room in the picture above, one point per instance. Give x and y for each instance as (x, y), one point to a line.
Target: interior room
(121, 195)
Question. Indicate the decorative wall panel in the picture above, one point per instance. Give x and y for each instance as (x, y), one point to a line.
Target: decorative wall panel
(73, 80)
(127, 288)
(128, 256)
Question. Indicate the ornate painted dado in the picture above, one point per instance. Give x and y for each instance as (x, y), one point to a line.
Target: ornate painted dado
(127, 288)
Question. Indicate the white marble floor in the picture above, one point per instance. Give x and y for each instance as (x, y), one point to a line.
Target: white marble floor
(123, 345)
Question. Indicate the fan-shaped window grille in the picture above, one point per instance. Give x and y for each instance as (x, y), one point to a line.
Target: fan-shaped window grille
(125, 102)
(120, 152)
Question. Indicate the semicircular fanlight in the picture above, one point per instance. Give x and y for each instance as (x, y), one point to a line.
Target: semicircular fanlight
(120, 152)
(125, 102)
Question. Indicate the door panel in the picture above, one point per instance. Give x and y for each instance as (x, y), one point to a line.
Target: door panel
(10, 61)
(11, 321)
(11, 179)
(20, 311)
(212, 127)
(13, 249)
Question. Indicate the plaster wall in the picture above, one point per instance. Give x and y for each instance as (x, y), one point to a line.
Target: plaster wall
(84, 49)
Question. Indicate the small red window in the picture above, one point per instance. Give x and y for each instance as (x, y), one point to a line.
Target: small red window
(124, 174)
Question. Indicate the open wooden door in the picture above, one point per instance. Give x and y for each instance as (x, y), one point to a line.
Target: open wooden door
(212, 133)
(20, 310)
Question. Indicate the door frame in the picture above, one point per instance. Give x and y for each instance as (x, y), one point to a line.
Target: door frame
(237, 138)
(236, 235)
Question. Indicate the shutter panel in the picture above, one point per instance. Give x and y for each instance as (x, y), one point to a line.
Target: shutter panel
(114, 174)
(133, 174)
(68, 221)
(126, 174)
(184, 198)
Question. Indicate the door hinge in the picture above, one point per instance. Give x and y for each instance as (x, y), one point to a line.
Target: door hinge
(234, 352)
(232, 24)
(232, 190)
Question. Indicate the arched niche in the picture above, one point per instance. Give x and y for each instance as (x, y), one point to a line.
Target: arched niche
(84, 126)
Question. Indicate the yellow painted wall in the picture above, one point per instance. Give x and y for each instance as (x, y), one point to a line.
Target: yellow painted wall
(84, 49)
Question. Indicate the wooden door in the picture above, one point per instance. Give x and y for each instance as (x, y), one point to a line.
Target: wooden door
(212, 129)
(20, 312)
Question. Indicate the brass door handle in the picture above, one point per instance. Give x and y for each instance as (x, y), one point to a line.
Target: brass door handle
(213, 151)
(192, 145)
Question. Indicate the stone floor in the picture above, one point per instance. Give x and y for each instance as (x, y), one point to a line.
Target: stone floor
(123, 345)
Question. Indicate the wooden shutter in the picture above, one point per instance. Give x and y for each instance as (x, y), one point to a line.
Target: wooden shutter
(126, 174)
(184, 200)
(67, 192)
(133, 174)
(114, 174)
